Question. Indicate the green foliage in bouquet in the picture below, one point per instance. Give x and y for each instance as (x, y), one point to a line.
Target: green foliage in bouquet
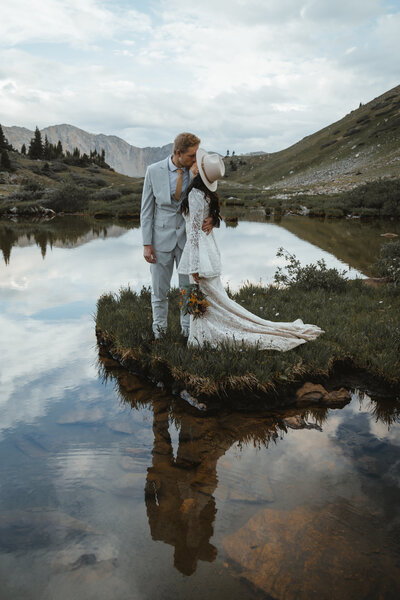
(193, 301)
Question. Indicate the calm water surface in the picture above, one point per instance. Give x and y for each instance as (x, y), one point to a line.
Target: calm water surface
(111, 489)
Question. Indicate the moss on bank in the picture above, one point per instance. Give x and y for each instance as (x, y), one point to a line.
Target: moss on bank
(362, 326)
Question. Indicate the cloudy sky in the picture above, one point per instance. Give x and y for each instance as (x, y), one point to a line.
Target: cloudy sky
(244, 75)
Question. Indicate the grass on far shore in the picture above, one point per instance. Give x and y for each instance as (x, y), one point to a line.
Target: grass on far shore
(361, 324)
(377, 199)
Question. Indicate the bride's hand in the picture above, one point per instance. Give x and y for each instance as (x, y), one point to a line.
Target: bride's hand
(207, 225)
(196, 277)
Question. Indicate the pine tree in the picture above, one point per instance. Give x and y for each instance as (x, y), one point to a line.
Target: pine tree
(76, 153)
(46, 149)
(59, 150)
(23, 149)
(5, 163)
(4, 145)
(36, 145)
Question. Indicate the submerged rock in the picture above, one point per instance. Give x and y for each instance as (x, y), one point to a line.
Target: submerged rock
(311, 393)
(31, 448)
(256, 490)
(335, 551)
(22, 530)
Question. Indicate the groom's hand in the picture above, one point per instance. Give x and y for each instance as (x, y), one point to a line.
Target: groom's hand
(149, 254)
(208, 225)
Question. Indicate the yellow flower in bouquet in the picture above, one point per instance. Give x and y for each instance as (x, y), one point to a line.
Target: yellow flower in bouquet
(193, 301)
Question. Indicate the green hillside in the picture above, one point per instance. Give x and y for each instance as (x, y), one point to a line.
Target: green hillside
(92, 189)
(363, 146)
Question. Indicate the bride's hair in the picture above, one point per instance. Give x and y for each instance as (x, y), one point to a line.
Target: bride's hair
(198, 184)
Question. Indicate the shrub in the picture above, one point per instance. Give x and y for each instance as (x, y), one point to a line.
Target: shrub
(334, 213)
(309, 277)
(35, 169)
(58, 166)
(30, 190)
(127, 190)
(91, 182)
(107, 194)
(388, 262)
(68, 198)
(31, 185)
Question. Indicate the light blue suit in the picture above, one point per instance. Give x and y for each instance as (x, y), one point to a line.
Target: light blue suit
(164, 228)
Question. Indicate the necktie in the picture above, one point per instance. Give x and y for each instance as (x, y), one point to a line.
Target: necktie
(178, 189)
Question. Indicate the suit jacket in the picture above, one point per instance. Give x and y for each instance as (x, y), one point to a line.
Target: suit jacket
(163, 225)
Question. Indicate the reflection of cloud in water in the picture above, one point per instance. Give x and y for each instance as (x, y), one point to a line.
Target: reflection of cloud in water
(249, 252)
(83, 273)
(70, 275)
(67, 284)
(42, 361)
(300, 460)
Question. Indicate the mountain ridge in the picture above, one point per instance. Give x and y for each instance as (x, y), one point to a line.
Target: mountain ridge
(122, 156)
(362, 146)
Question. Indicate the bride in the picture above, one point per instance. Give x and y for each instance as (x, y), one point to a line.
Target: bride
(224, 320)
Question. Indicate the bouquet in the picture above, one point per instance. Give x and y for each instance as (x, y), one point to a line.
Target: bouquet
(193, 301)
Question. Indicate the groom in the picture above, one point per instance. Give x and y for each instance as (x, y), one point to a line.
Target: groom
(163, 226)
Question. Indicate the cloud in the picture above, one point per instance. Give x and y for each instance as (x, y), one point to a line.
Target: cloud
(252, 74)
(66, 21)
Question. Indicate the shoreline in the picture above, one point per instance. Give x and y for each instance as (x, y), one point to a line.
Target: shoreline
(318, 391)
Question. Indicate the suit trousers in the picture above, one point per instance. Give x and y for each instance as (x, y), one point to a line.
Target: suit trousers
(161, 274)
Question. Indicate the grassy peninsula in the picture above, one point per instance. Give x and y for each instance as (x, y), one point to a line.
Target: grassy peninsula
(361, 323)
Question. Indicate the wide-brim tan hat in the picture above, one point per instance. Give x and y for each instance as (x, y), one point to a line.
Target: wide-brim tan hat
(211, 168)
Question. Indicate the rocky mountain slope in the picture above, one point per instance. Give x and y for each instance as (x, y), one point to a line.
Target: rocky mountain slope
(363, 146)
(124, 158)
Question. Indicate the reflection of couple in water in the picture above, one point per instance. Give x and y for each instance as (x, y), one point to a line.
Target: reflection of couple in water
(180, 208)
(179, 492)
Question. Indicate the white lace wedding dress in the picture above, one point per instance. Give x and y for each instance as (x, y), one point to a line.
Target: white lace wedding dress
(225, 320)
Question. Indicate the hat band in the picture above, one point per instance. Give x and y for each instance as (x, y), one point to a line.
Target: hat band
(204, 171)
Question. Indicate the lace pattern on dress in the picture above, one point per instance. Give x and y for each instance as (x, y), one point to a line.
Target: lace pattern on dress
(196, 218)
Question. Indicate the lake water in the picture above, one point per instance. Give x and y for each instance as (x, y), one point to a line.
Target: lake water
(109, 488)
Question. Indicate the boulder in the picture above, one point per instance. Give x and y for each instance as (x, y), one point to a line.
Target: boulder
(316, 394)
(334, 551)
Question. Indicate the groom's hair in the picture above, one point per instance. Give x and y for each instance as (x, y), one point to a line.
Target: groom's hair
(185, 140)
